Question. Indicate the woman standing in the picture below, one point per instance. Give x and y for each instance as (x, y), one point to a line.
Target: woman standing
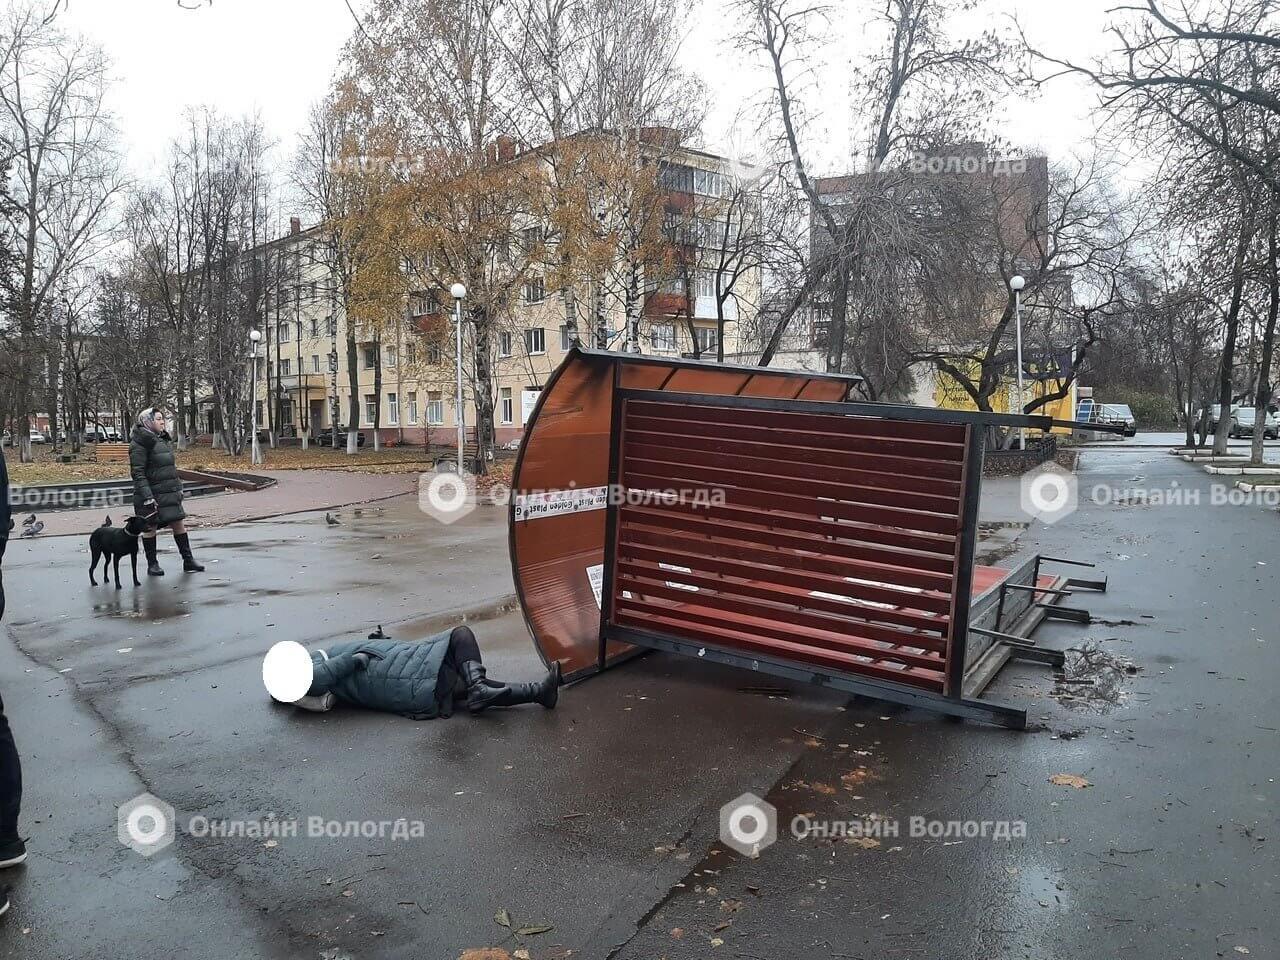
(157, 489)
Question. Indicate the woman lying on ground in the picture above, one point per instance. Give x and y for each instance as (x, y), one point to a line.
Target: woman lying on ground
(421, 680)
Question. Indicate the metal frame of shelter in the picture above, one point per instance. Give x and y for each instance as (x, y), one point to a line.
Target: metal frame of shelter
(759, 518)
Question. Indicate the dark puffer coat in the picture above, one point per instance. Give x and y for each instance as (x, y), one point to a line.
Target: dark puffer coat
(155, 475)
(403, 677)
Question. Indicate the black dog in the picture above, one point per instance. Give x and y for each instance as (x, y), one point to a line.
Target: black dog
(116, 543)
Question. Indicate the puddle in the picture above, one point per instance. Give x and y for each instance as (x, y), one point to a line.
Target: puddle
(1093, 678)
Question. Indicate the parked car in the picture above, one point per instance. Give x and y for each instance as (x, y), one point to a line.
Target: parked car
(1213, 409)
(1119, 413)
(326, 439)
(1244, 419)
(38, 437)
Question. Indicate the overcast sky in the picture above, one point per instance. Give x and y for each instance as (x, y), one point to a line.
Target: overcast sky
(275, 57)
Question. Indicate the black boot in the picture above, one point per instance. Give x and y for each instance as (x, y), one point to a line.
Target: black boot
(483, 693)
(189, 564)
(153, 565)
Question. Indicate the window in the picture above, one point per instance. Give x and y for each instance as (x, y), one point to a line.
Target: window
(413, 406)
(535, 340)
(530, 237)
(508, 411)
(282, 333)
(333, 325)
(315, 363)
(535, 291)
(564, 337)
(370, 407)
(411, 354)
(504, 344)
(311, 290)
(705, 284)
(393, 409)
(435, 408)
(286, 366)
(706, 339)
(370, 357)
(315, 327)
(425, 302)
(433, 351)
(662, 336)
(391, 356)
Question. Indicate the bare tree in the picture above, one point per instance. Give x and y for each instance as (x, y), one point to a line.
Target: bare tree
(66, 174)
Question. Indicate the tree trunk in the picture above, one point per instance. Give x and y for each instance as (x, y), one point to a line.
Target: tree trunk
(353, 384)
(377, 394)
(1263, 396)
(1227, 364)
(483, 394)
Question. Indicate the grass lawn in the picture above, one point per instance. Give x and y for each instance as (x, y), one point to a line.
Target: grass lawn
(46, 468)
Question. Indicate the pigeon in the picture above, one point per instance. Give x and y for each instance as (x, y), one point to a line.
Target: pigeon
(107, 522)
(34, 529)
(378, 634)
(331, 520)
(29, 521)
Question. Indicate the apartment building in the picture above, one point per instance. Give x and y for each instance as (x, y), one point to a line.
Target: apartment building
(304, 369)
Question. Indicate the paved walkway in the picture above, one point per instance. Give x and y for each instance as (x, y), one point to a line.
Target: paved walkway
(296, 491)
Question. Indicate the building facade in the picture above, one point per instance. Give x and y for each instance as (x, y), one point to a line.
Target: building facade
(406, 382)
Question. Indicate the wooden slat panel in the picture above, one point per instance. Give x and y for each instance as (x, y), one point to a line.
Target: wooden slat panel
(824, 539)
(802, 598)
(727, 544)
(829, 424)
(786, 461)
(644, 459)
(815, 447)
(787, 649)
(761, 605)
(637, 483)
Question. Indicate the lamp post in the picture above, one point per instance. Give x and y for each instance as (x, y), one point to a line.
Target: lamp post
(1016, 284)
(458, 291)
(255, 454)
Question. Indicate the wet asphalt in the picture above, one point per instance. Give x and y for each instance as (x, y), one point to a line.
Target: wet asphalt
(600, 819)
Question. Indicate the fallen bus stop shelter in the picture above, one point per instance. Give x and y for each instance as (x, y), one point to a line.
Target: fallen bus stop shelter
(758, 517)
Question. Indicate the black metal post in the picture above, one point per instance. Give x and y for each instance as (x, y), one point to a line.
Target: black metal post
(975, 446)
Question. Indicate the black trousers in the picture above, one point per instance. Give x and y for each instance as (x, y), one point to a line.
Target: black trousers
(450, 684)
(10, 768)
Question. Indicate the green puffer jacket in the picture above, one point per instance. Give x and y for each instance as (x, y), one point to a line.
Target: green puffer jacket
(155, 475)
(402, 676)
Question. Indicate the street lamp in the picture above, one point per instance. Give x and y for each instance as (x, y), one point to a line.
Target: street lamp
(1016, 284)
(255, 455)
(458, 291)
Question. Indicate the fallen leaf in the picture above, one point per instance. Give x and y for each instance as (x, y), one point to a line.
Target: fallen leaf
(502, 919)
(521, 955)
(725, 925)
(534, 929)
(1069, 780)
(823, 788)
(866, 843)
(677, 932)
(1242, 949)
(485, 953)
(348, 893)
(731, 905)
(717, 942)
(271, 843)
(856, 777)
